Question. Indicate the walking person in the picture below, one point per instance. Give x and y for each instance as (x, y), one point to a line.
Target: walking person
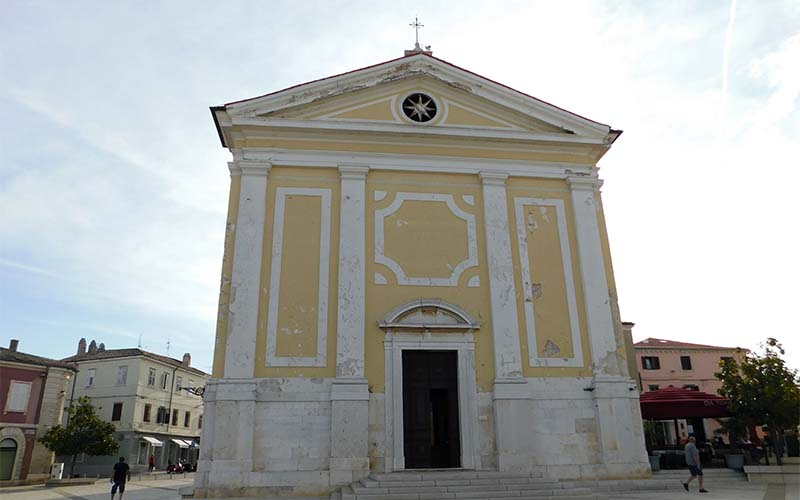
(151, 463)
(693, 461)
(122, 472)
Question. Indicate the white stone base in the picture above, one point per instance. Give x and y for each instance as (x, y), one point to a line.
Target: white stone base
(281, 437)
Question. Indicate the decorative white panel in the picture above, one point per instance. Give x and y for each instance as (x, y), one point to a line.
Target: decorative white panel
(275, 279)
(525, 269)
(400, 274)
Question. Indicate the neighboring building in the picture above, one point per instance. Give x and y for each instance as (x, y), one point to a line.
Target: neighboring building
(143, 394)
(32, 394)
(416, 275)
(669, 363)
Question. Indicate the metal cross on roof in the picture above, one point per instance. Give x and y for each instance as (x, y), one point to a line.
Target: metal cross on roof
(416, 25)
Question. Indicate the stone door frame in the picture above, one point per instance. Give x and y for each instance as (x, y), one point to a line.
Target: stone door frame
(395, 342)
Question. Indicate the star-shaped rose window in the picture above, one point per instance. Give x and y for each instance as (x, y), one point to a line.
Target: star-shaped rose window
(419, 107)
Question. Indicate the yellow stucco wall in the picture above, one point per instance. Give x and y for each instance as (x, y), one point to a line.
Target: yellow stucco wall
(225, 283)
(426, 239)
(547, 276)
(299, 284)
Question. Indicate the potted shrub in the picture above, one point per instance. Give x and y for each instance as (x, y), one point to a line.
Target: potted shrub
(736, 428)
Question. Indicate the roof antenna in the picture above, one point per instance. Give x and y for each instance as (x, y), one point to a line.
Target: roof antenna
(169, 342)
(417, 49)
(139, 346)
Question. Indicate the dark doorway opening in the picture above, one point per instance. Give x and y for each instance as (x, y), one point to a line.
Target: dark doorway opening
(430, 410)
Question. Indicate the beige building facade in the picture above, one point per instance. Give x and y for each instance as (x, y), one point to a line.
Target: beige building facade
(147, 397)
(416, 275)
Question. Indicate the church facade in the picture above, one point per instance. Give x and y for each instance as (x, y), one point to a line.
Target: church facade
(416, 275)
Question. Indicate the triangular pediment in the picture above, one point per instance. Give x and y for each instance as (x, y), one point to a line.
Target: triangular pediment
(373, 99)
(383, 104)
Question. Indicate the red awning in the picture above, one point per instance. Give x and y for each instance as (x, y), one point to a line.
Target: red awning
(673, 402)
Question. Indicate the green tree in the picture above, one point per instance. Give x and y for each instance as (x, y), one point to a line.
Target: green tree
(85, 433)
(763, 389)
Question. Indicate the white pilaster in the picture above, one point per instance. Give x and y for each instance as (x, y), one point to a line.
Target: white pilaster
(349, 459)
(502, 292)
(352, 273)
(246, 277)
(605, 361)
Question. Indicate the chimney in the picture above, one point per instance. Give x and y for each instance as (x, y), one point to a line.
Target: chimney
(81, 347)
(92, 347)
(101, 347)
(187, 359)
(12, 346)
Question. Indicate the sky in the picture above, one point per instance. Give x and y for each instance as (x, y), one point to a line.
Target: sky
(113, 183)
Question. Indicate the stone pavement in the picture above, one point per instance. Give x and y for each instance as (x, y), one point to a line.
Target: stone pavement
(165, 489)
(146, 489)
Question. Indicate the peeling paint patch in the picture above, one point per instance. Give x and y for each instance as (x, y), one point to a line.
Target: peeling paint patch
(551, 349)
(536, 290)
(543, 211)
(532, 224)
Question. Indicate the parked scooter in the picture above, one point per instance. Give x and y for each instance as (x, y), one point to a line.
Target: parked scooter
(175, 468)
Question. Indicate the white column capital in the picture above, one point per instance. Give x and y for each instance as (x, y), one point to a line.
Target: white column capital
(254, 168)
(493, 178)
(355, 172)
(582, 183)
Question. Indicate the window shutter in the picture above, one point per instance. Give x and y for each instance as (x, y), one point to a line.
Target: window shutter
(18, 396)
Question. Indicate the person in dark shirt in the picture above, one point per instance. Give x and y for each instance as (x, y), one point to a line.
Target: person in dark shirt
(122, 472)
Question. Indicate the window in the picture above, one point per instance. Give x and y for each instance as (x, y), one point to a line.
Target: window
(146, 415)
(686, 362)
(174, 417)
(116, 412)
(90, 373)
(725, 360)
(187, 418)
(200, 422)
(650, 363)
(151, 377)
(178, 383)
(18, 395)
(652, 387)
(122, 375)
(161, 415)
(691, 387)
(164, 380)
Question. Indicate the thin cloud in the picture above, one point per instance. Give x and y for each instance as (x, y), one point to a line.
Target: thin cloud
(29, 269)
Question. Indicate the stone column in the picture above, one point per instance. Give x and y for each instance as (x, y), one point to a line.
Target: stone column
(240, 347)
(510, 391)
(616, 396)
(349, 391)
(502, 292)
(593, 275)
(352, 273)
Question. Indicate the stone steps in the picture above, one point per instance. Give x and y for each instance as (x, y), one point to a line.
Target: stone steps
(488, 485)
(713, 475)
